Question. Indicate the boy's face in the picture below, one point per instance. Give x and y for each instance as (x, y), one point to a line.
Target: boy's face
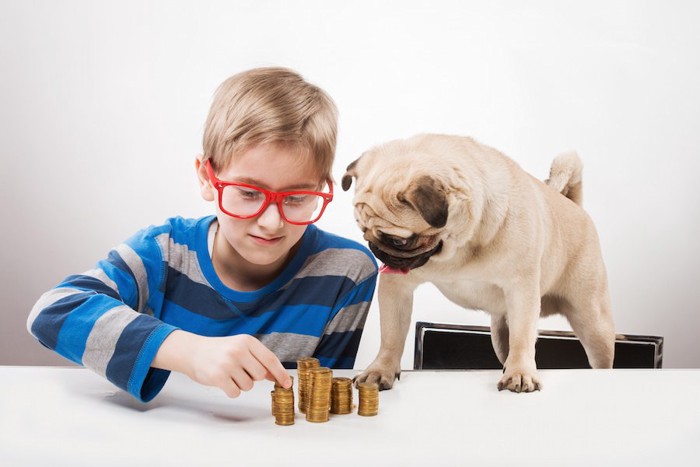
(264, 240)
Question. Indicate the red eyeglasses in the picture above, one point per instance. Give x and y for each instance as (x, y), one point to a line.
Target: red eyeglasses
(244, 201)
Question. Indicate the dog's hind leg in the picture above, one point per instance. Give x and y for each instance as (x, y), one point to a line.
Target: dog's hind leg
(499, 337)
(592, 323)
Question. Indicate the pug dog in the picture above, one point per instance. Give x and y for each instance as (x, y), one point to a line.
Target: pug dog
(461, 215)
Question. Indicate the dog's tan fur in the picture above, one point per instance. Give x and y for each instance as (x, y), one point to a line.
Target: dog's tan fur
(491, 238)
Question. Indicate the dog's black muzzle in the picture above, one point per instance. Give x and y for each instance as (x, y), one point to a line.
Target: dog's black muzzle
(405, 261)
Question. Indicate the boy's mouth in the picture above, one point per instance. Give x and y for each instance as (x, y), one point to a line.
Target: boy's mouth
(265, 241)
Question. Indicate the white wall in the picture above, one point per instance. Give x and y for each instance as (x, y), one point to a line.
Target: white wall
(102, 106)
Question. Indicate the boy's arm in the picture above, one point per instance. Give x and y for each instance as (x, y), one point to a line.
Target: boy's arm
(103, 319)
(93, 327)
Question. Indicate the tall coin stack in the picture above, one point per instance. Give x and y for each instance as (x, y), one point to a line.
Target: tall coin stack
(369, 399)
(283, 404)
(304, 384)
(341, 396)
(318, 409)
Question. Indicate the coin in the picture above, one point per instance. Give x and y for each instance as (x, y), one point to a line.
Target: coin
(341, 395)
(318, 408)
(368, 404)
(283, 405)
(303, 385)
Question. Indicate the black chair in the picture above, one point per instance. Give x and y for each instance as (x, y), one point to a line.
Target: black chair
(453, 346)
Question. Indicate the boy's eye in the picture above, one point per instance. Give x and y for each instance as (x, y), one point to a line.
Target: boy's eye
(249, 194)
(295, 199)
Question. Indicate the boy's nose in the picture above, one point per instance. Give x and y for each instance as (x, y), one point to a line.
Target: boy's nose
(271, 218)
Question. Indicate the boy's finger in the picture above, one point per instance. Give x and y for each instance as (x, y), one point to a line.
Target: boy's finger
(270, 361)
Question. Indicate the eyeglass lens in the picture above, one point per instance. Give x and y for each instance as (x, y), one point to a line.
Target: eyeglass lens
(246, 201)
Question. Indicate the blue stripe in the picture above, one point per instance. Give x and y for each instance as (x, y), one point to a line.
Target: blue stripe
(117, 270)
(183, 230)
(339, 348)
(88, 283)
(151, 384)
(199, 298)
(49, 322)
(127, 349)
(362, 293)
(207, 302)
(315, 291)
(79, 323)
(302, 319)
(146, 382)
(319, 290)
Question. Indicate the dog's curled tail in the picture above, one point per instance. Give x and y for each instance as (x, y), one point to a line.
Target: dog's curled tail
(565, 176)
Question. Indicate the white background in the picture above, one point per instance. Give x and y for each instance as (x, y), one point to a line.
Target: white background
(102, 106)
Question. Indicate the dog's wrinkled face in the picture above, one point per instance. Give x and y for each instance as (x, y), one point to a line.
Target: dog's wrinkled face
(401, 219)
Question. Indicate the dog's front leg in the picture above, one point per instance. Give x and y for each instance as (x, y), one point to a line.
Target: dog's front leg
(520, 369)
(395, 308)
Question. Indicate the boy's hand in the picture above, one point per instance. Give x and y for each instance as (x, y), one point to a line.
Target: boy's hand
(232, 363)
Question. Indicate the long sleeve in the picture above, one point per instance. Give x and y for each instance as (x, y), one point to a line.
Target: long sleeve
(103, 318)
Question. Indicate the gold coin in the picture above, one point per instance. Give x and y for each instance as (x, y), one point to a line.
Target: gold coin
(304, 379)
(283, 405)
(319, 397)
(341, 395)
(368, 404)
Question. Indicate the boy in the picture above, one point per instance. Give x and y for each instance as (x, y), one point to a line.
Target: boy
(234, 298)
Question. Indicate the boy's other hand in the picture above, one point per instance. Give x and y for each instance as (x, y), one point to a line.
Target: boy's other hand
(232, 363)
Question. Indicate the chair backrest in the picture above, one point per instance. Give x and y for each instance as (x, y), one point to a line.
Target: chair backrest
(455, 346)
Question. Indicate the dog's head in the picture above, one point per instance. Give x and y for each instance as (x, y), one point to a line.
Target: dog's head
(401, 205)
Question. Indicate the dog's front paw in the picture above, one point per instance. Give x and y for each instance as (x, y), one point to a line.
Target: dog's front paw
(383, 377)
(519, 380)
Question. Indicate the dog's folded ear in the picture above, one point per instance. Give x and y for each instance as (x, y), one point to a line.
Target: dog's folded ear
(429, 197)
(350, 172)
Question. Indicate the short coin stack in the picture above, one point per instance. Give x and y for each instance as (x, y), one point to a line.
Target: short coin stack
(304, 384)
(283, 404)
(369, 399)
(318, 408)
(341, 396)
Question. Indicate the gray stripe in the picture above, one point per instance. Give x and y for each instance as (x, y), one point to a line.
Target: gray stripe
(48, 299)
(288, 346)
(100, 275)
(103, 338)
(338, 262)
(133, 260)
(348, 319)
(181, 258)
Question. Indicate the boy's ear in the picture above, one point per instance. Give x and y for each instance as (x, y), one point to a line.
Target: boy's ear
(206, 190)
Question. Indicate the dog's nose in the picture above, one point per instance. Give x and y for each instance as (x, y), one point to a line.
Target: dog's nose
(396, 242)
(399, 242)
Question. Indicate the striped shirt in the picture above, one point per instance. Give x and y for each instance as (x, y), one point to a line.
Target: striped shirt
(112, 319)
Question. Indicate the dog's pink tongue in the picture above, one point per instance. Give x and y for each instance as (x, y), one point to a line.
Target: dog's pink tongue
(384, 269)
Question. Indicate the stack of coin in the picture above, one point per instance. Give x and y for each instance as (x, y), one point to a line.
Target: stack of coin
(369, 399)
(341, 396)
(320, 395)
(283, 405)
(304, 384)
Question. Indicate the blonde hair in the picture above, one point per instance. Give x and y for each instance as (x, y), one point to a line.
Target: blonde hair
(270, 105)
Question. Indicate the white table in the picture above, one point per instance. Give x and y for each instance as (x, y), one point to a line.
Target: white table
(69, 416)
